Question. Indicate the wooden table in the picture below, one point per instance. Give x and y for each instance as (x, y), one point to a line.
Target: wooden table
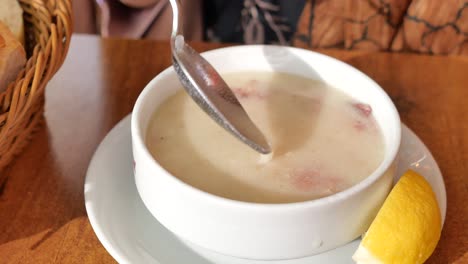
(42, 213)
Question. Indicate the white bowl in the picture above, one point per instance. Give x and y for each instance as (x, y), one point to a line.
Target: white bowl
(266, 231)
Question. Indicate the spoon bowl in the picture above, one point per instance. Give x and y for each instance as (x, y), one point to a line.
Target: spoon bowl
(208, 89)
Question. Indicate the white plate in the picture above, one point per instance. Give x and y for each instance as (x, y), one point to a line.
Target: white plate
(132, 235)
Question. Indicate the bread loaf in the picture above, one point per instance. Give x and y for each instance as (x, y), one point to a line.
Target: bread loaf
(12, 57)
(11, 14)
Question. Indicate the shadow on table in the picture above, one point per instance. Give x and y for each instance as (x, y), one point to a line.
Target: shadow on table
(39, 193)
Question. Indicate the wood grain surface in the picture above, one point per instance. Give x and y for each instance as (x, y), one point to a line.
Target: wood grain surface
(42, 212)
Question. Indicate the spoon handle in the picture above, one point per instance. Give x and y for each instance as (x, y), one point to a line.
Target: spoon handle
(177, 27)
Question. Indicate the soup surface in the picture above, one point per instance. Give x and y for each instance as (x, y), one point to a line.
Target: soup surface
(323, 141)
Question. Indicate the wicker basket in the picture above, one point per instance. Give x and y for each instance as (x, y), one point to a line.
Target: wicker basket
(48, 28)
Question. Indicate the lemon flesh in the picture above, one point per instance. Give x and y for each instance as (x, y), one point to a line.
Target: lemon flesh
(407, 227)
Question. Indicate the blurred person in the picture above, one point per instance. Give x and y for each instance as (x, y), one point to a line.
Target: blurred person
(422, 26)
(234, 21)
(136, 18)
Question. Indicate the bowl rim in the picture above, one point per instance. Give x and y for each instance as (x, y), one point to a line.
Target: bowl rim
(389, 158)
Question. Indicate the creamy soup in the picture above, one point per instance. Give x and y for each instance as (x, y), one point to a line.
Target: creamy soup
(323, 141)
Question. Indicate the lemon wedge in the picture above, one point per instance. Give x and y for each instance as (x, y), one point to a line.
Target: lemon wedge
(406, 228)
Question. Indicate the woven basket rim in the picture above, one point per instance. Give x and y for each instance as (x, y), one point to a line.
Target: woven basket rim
(48, 29)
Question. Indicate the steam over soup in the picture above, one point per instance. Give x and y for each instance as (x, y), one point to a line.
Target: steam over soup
(323, 141)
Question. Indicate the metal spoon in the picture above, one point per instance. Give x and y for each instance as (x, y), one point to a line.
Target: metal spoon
(204, 84)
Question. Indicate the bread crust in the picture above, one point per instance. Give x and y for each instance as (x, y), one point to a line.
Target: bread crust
(12, 57)
(11, 14)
